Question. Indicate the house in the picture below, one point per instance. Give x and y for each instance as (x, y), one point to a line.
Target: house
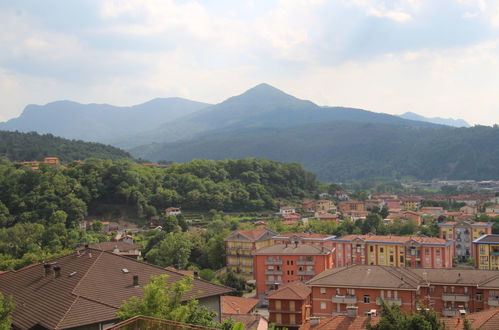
(85, 290)
(411, 204)
(415, 217)
(433, 211)
(492, 209)
(250, 321)
(282, 263)
(348, 206)
(342, 195)
(324, 195)
(471, 210)
(238, 305)
(52, 160)
(120, 248)
(239, 245)
(173, 211)
(486, 252)
(326, 216)
(464, 233)
(450, 292)
(394, 204)
(390, 250)
(289, 306)
(291, 218)
(325, 205)
(308, 205)
(287, 210)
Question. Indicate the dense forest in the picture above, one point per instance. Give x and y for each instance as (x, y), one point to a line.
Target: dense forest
(17, 146)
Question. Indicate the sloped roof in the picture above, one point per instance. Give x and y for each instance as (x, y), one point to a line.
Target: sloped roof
(304, 236)
(394, 239)
(250, 235)
(92, 293)
(291, 291)
(342, 322)
(250, 321)
(490, 238)
(110, 246)
(237, 305)
(486, 320)
(292, 248)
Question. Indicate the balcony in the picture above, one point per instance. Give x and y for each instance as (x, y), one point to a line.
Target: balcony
(493, 301)
(305, 262)
(344, 299)
(273, 262)
(450, 312)
(277, 282)
(273, 272)
(494, 253)
(391, 301)
(455, 297)
(305, 272)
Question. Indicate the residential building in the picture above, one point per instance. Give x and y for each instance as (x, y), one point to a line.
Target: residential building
(289, 306)
(239, 245)
(291, 218)
(238, 305)
(283, 263)
(464, 233)
(450, 292)
(308, 205)
(434, 211)
(472, 210)
(411, 204)
(173, 211)
(492, 209)
(287, 210)
(348, 206)
(486, 250)
(341, 195)
(325, 205)
(389, 250)
(86, 289)
(52, 160)
(121, 248)
(394, 204)
(304, 238)
(326, 216)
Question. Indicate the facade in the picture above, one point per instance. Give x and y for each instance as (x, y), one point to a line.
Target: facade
(325, 205)
(287, 210)
(399, 251)
(351, 206)
(289, 306)
(492, 209)
(464, 233)
(486, 250)
(450, 292)
(173, 211)
(283, 263)
(239, 245)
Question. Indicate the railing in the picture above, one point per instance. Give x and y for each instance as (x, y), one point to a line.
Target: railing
(393, 301)
(455, 297)
(344, 299)
(305, 262)
(305, 272)
(273, 262)
(493, 301)
(273, 272)
(273, 282)
(450, 312)
(152, 323)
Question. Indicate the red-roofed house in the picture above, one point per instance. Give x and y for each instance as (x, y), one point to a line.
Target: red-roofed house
(173, 211)
(238, 305)
(289, 306)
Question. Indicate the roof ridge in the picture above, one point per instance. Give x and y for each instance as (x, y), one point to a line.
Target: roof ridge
(493, 312)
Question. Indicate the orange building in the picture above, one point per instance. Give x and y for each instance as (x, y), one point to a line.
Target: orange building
(284, 263)
(289, 306)
(399, 251)
(52, 160)
(349, 206)
(450, 292)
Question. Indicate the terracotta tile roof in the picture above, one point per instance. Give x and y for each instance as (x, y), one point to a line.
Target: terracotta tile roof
(486, 320)
(90, 289)
(366, 276)
(237, 305)
(296, 249)
(251, 322)
(302, 236)
(342, 322)
(251, 235)
(111, 246)
(394, 239)
(292, 291)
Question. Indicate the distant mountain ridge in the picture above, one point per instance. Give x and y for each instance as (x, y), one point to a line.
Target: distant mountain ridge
(99, 122)
(436, 120)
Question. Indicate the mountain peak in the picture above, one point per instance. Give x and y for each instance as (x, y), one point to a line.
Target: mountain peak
(436, 120)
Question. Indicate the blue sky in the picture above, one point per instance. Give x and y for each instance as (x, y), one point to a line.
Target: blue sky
(436, 58)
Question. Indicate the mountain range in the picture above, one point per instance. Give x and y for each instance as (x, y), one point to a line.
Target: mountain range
(436, 120)
(337, 143)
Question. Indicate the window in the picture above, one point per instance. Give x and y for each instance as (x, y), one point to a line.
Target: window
(277, 305)
(482, 249)
(427, 250)
(323, 290)
(432, 289)
(367, 299)
(437, 252)
(388, 294)
(391, 258)
(323, 305)
(445, 289)
(371, 249)
(479, 297)
(350, 292)
(465, 289)
(381, 250)
(452, 289)
(391, 250)
(401, 259)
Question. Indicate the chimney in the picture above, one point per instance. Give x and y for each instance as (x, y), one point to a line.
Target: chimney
(57, 271)
(315, 321)
(352, 311)
(135, 280)
(196, 274)
(296, 244)
(47, 269)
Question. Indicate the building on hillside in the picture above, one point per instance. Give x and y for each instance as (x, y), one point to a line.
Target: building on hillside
(374, 203)
(434, 211)
(308, 205)
(239, 245)
(472, 210)
(411, 204)
(450, 292)
(121, 248)
(349, 206)
(238, 305)
(283, 263)
(415, 217)
(304, 238)
(173, 211)
(341, 195)
(325, 205)
(291, 218)
(492, 209)
(486, 252)
(86, 289)
(326, 216)
(52, 160)
(394, 204)
(287, 210)
(398, 251)
(464, 233)
(289, 306)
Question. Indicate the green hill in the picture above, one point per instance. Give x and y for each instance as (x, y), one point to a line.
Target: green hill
(17, 146)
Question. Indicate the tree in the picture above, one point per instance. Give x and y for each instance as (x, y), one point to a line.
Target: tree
(371, 223)
(97, 226)
(6, 308)
(174, 250)
(234, 281)
(166, 301)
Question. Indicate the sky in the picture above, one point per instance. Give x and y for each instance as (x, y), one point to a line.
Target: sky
(432, 57)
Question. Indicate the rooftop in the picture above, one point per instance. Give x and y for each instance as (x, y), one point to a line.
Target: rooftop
(237, 305)
(341, 322)
(291, 291)
(251, 235)
(293, 248)
(488, 239)
(304, 236)
(394, 239)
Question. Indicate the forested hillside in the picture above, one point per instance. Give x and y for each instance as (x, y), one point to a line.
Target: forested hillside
(344, 151)
(17, 146)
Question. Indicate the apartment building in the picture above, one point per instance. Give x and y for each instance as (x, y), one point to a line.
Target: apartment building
(464, 233)
(450, 292)
(289, 306)
(239, 246)
(284, 263)
(486, 250)
(389, 250)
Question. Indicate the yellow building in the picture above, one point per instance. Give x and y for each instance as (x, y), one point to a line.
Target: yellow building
(240, 244)
(486, 252)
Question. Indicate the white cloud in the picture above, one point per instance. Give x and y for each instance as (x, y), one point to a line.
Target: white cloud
(400, 11)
